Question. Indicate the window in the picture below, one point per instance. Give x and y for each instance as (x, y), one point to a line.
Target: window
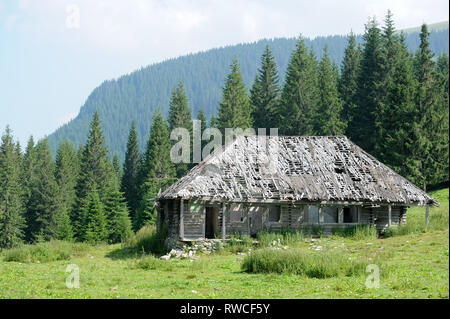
(350, 214)
(314, 214)
(274, 213)
(236, 213)
(330, 214)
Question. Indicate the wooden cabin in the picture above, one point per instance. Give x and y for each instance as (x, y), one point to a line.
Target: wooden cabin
(300, 182)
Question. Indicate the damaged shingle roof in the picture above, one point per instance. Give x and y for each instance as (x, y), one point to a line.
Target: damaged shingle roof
(299, 168)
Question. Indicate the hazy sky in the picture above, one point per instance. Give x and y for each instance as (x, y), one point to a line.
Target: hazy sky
(53, 53)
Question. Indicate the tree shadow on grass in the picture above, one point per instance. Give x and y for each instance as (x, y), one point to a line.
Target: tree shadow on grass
(123, 253)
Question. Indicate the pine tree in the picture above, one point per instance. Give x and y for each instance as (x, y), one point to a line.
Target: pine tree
(235, 108)
(348, 82)
(96, 173)
(265, 93)
(442, 145)
(203, 124)
(395, 125)
(158, 171)
(28, 178)
(67, 170)
(96, 224)
(12, 221)
(299, 97)
(117, 167)
(213, 122)
(180, 117)
(362, 129)
(131, 170)
(428, 126)
(118, 221)
(328, 118)
(49, 219)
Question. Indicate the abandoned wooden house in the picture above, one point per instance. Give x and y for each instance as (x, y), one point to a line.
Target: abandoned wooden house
(298, 182)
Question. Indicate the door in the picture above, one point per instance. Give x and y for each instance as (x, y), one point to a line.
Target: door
(256, 214)
(211, 222)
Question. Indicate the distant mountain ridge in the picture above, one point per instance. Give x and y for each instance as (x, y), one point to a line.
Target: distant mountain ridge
(137, 95)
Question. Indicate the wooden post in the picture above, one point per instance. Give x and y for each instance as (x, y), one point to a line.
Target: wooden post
(389, 215)
(181, 219)
(427, 215)
(320, 215)
(224, 210)
(340, 215)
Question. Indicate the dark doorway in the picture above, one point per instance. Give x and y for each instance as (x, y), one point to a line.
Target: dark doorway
(347, 215)
(211, 222)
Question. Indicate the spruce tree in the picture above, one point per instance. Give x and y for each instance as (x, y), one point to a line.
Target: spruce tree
(348, 82)
(96, 174)
(362, 128)
(95, 218)
(131, 170)
(118, 220)
(203, 124)
(265, 93)
(12, 221)
(395, 124)
(49, 219)
(67, 170)
(299, 97)
(328, 118)
(428, 120)
(234, 109)
(180, 117)
(117, 167)
(28, 178)
(158, 171)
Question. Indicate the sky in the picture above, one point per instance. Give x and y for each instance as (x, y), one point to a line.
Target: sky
(53, 53)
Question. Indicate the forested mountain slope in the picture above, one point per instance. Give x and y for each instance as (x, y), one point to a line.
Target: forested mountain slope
(137, 95)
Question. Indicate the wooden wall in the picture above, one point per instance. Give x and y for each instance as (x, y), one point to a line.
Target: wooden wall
(248, 219)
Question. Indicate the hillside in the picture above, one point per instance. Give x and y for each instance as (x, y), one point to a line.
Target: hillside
(135, 96)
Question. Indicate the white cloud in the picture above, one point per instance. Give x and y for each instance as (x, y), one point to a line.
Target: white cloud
(167, 28)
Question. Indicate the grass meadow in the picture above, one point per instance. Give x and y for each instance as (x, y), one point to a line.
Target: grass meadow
(413, 261)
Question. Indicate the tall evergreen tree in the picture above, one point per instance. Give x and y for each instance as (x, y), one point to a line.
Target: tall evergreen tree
(96, 173)
(429, 160)
(67, 170)
(348, 82)
(234, 108)
(328, 118)
(49, 219)
(95, 218)
(117, 167)
(12, 222)
(265, 93)
(118, 220)
(157, 170)
(395, 121)
(362, 128)
(203, 124)
(131, 170)
(28, 178)
(299, 97)
(180, 117)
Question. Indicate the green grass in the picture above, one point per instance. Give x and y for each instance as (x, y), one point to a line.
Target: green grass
(360, 232)
(313, 264)
(413, 265)
(45, 252)
(148, 240)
